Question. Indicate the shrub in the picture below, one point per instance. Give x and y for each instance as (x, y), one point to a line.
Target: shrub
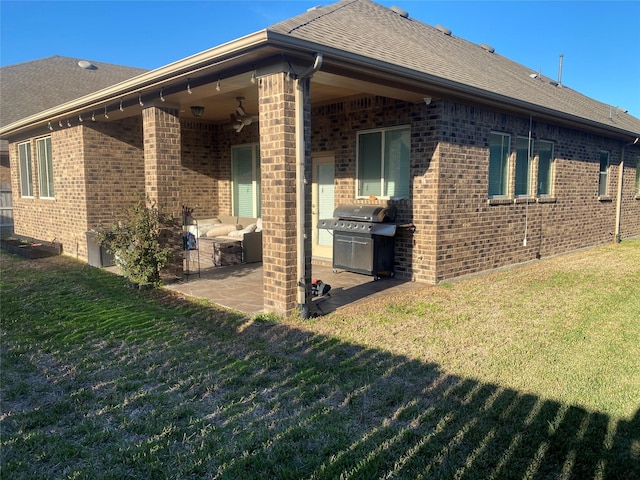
(136, 244)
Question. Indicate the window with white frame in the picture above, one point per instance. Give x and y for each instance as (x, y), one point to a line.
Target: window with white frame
(499, 145)
(523, 166)
(545, 168)
(45, 167)
(245, 180)
(24, 164)
(384, 158)
(603, 181)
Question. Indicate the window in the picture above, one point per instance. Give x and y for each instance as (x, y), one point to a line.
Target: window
(498, 164)
(545, 168)
(383, 163)
(24, 159)
(45, 167)
(245, 179)
(604, 174)
(523, 167)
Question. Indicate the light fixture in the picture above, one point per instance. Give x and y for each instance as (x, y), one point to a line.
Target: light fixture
(253, 77)
(427, 100)
(140, 100)
(50, 127)
(197, 110)
(68, 123)
(218, 85)
(93, 116)
(105, 112)
(121, 109)
(80, 118)
(189, 86)
(60, 123)
(161, 96)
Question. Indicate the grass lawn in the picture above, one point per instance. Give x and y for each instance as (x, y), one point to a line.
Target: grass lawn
(530, 373)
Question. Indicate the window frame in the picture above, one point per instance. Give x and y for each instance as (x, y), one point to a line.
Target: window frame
(45, 168)
(25, 170)
(527, 164)
(384, 164)
(256, 190)
(604, 192)
(504, 168)
(550, 169)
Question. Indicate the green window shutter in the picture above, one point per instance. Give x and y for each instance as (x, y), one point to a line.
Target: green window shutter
(242, 178)
(370, 164)
(523, 154)
(26, 179)
(397, 148)
(545, 166)
(603, 181)
(498, 164)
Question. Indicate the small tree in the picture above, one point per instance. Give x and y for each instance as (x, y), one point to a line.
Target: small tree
(136, 244)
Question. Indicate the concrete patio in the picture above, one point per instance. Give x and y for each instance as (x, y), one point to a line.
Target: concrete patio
(240, 287)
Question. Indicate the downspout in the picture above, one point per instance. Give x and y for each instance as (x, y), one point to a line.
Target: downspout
(301, 183)
(616, 233)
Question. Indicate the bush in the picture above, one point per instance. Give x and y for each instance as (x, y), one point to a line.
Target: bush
(136, 244)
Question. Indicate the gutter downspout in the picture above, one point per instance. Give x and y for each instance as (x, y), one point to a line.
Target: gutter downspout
(616, 232)
(301, 183)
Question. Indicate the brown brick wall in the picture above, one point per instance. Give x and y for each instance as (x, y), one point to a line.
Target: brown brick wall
(278, 157)
(334, 129)
(474, 235)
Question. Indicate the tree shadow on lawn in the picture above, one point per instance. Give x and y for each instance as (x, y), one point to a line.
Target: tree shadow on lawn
(224, 398)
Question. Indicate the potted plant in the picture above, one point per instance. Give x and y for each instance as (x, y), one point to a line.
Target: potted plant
(136, 243)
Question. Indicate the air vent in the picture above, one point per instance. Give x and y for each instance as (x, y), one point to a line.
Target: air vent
(86, 65)
(444, 30)
(399, 11)
(488, 48)
(311, 9)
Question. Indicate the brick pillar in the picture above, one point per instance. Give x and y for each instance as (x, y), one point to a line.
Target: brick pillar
(278, 169)
(162, 159)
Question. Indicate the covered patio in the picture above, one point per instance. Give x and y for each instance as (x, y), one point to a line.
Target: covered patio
(240, 287)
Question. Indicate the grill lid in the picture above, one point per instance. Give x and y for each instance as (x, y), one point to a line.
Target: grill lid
(366, 213)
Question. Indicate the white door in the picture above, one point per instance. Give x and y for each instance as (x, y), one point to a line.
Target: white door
(322, 204)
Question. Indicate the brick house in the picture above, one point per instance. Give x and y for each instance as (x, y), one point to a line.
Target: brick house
(490, 162)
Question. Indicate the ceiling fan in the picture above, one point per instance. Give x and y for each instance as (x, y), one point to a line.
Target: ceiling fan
(241, 118)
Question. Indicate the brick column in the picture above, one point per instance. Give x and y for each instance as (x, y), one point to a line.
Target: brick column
(278, 169)
(162, 159)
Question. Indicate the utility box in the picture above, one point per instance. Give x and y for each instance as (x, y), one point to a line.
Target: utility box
(97, 255)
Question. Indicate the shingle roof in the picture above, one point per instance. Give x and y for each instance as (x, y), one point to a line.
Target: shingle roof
(31, 87)
(367, 29)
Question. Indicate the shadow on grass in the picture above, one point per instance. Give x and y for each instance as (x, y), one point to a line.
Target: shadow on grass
(103, 382)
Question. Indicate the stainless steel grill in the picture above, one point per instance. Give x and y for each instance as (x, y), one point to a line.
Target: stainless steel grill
(363, 239)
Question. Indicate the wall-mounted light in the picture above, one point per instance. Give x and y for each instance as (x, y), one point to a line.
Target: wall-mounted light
(197, 110)
(189, 86)
(105, 112)
(93, 116)
(68, 123)
(60, 123)
(121, 108)
(161, 96)
(50, 127)
(218, 85)
(140, 100)
(80, 118)
(253, 77)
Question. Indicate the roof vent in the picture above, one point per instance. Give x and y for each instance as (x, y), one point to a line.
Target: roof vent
(399, 11)
(444, 30)
(311, 9)
(488, 48)
(86, 65)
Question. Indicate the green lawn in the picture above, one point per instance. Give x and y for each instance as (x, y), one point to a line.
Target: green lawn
(527, 373)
